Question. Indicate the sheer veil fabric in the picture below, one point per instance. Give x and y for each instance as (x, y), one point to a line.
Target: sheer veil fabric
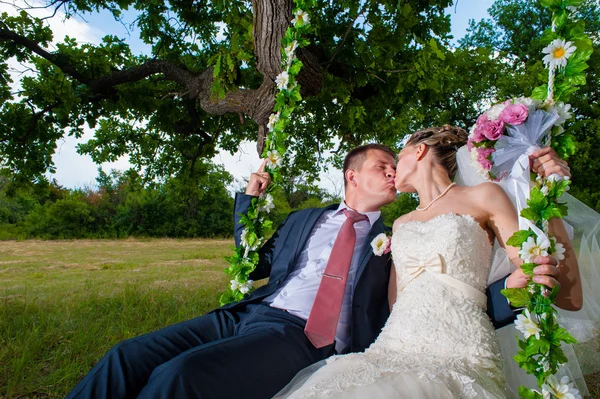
(584, 224)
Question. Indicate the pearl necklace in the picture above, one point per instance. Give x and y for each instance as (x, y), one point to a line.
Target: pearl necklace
(437, 198)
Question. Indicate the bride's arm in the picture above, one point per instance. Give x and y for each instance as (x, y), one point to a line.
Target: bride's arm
(392, 287)
(502, 219)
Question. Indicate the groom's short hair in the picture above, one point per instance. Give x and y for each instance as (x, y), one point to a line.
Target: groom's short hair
(356, 157)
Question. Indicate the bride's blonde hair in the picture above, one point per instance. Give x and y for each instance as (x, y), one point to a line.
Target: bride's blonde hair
(444, 141)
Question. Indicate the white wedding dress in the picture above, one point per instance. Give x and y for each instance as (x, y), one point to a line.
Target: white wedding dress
(438, 341)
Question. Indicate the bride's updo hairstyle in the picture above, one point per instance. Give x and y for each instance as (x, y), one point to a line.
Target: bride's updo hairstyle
(444, 141)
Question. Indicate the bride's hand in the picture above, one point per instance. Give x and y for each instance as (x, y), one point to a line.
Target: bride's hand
(546, 273)
(546, 162)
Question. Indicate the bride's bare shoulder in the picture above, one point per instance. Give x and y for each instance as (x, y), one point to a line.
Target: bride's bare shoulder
(489, 196)
(402, 219)
(485, 190)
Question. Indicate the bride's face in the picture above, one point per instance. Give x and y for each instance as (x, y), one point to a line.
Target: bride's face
(406, 168)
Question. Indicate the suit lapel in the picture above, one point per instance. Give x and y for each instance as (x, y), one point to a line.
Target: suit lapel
(367, 252)
(307, 227)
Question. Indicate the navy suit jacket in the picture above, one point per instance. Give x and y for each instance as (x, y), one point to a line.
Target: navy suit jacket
(370, 307)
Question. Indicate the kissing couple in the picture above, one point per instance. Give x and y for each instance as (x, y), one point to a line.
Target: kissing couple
(417, 325)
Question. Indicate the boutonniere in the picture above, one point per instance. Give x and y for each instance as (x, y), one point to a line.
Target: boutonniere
(381, 244)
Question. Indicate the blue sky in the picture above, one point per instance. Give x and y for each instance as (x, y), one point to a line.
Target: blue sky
(74, 170)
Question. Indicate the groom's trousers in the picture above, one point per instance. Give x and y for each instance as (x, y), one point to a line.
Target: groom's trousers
(251, 353)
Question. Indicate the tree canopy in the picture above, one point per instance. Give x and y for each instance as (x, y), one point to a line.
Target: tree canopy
(374, 71)
(367, 64)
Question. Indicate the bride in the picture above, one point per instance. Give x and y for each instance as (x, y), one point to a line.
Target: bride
(438, 341)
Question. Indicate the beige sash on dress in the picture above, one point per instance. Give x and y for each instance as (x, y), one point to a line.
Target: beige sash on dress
(435, 264)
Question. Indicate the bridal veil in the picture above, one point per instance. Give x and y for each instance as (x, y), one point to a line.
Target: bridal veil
(584, 225)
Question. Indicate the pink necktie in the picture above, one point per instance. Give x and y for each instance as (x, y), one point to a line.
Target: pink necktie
(325, 312)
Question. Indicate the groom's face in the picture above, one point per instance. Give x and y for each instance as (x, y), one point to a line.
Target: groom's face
(375, 179)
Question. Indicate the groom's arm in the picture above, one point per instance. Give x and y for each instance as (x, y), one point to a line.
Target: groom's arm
(265, 253)
(257, 185)
(498, 307)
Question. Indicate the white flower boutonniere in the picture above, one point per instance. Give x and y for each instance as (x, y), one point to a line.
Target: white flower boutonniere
(381, 244)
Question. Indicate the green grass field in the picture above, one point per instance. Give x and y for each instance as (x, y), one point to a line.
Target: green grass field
(63, 304)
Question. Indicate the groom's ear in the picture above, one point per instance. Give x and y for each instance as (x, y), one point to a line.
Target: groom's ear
(350, 177)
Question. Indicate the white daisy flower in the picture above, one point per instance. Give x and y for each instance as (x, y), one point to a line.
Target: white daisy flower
(245, 243)
(273, 159)
(559, 251)
(380, 244)
(527, 325)
(273, 119)
(300, 18)
(283, 80)
(267, 205)
(246, 287)
(558, 52)
(562, 110)
(234, 285)
(244, 238)
(533, 248)
(555, 177)
(562, 389)
(290, 52)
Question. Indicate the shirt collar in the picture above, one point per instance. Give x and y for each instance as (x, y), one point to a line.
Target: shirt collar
(373, 216)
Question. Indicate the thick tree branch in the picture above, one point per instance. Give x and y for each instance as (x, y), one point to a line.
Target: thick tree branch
(271, 19)
(56, 59)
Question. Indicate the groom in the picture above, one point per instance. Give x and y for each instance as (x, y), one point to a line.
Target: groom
(252, 348)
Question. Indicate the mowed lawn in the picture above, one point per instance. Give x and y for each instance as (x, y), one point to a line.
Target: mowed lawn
(63, 304)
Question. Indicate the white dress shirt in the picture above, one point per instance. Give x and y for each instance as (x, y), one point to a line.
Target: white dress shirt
(297, 293)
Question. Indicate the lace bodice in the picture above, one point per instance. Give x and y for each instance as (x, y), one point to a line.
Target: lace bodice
(438, 334)
(461, 242)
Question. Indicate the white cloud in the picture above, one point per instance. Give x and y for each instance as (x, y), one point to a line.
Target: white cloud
(72, 169)
(60, 25)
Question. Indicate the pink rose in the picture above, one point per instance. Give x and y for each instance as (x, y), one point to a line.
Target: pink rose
(483, 155)
(486, 164)
(484, 152)
(493, 130)
(483, 118)
(478, 135)
(514, 114)
(470, 144)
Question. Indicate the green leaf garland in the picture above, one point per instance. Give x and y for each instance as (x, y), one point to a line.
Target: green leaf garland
(256, 222)
(540, 351)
